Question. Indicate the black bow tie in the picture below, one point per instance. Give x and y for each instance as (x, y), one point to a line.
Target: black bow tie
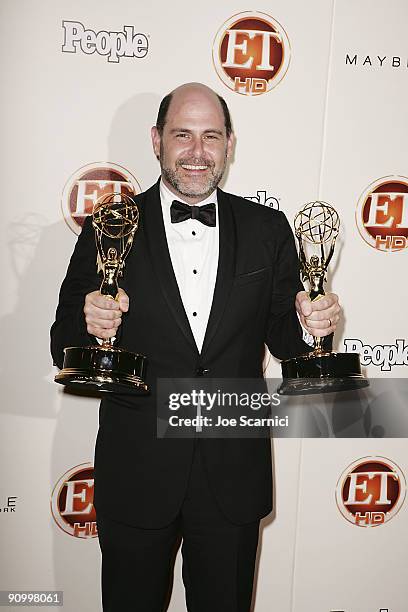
(180, 212)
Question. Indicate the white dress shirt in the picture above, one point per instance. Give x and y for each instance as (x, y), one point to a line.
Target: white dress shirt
(193, 249)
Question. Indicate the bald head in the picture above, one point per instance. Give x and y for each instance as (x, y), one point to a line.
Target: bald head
(192, 93)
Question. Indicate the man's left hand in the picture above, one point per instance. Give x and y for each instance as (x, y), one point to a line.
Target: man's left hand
(320, 317)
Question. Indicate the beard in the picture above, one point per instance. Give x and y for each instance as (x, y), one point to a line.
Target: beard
(192, 187)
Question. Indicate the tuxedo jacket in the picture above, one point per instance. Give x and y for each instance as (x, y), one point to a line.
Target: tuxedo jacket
(139, 479)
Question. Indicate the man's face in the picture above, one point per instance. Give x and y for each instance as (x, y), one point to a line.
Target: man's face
(193, 148)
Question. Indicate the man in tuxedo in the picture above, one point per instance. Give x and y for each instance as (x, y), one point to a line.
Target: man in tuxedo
(210, 279)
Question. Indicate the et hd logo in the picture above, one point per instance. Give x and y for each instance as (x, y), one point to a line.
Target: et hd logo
(72, 502)
(382, 214)
(251, 53)
(89, 183)
(370, 491)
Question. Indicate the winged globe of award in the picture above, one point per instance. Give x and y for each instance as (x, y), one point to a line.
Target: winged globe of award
(317, 226)
(105, 367)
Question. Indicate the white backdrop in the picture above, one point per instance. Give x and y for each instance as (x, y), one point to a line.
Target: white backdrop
(328, 130)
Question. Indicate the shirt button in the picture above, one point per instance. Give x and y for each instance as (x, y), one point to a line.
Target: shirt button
(194, 314)
(193, 233)
(194, 271)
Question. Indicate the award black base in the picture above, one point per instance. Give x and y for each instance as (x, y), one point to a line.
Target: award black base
(321, 373)
(99, 368)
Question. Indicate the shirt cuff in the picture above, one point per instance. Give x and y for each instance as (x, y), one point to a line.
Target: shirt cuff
(306, 337)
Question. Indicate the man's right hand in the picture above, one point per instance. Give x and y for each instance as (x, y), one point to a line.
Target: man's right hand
(103, 315)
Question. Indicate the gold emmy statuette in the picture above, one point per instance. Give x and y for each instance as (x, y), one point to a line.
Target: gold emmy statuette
(316, 226)
(106, 367)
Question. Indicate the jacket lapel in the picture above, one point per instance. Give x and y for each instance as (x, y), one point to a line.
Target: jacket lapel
(152, 220)
(226, 266)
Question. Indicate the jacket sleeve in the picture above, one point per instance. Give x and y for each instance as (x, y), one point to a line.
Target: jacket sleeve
(284, 333)
(69, 328)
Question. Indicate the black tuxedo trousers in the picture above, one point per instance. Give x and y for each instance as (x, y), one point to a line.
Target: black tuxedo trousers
(218, 556)
(141, 480)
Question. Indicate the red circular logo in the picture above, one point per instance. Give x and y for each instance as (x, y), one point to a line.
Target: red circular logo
(72, 502)
(251, 53)
(89, 183)
(370, 491)
(382, 214)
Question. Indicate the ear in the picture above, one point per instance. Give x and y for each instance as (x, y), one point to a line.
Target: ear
(230, 144)
(156, 141)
